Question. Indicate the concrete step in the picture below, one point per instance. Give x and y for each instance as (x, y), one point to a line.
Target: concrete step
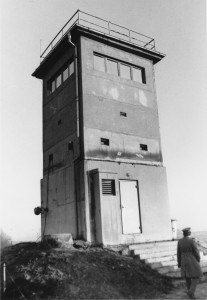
(203, 263)
(174, 271)
(162, 256)
(155, 265)
(204, 269)
(177, 273)
(203, 256)
(155, 254)
(154, 249)
(152, 245)
(174, 274)
(159, 259)
(169, 263)
(165, 270)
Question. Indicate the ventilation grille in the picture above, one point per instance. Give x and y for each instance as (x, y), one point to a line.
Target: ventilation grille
(108, 187)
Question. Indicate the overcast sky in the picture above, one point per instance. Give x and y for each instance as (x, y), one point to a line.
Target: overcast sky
(179, 29)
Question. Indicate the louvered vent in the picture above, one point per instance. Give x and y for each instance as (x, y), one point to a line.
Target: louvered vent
(108, 187)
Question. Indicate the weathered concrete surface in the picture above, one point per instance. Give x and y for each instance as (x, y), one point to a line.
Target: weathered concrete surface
(75, 205)
(152, 196)
(105, 96)
(58, 194)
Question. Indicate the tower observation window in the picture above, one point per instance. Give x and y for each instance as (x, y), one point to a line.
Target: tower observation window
(125, 71)
(58, 80)
(112, 67)
(65, 72)
(138, 75)
(99, 63)
(121, 69)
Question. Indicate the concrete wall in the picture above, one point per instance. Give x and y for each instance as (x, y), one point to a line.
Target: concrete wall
(66, 185)
(58, 194)
(61, 107)
(59, 133)
(105, 96)
(153, 198)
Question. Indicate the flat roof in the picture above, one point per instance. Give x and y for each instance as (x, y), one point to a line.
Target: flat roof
(96, 28)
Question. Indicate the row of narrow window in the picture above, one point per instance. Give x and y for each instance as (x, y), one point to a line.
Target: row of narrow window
(105, 142)
(60, 77)
(111, 66)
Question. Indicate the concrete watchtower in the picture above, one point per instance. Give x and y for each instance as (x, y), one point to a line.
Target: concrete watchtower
(103, 174)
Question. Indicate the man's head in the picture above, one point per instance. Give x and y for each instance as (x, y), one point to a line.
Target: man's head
(186, 231)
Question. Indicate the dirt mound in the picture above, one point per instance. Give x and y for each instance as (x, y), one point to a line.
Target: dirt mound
(39, 271)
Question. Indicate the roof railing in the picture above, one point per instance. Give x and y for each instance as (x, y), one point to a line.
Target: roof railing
(101, 26)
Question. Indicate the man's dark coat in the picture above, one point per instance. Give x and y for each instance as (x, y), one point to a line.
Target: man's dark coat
(188, 258)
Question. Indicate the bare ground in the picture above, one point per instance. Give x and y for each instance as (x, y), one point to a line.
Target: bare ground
(40, 271)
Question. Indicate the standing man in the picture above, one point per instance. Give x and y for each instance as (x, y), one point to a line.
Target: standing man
(188, 258)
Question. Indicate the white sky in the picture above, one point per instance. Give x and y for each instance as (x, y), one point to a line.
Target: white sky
(179, 29)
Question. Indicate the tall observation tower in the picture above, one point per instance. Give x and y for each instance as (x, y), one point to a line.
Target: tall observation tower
(103, 174)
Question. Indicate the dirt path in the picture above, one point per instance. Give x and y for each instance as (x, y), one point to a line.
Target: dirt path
(180, 292)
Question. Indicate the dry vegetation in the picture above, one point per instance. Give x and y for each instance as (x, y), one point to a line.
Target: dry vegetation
(42, 271)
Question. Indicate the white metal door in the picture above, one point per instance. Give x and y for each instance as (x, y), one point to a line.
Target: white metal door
(130, 206)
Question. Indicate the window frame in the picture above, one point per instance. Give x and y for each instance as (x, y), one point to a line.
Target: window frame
(64, 69)
(119, 63)
(143, 76)
(54, 78)
(129, 66)
(104, 60)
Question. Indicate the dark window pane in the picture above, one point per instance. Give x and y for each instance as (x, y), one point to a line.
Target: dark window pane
(123, 114)
(137, 75)
(99, 63)
(125, 71)
(49, 88)
(104, 141)
(112, 67)
(143, 147)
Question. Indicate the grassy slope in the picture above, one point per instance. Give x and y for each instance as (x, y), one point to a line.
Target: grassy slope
(42, 272)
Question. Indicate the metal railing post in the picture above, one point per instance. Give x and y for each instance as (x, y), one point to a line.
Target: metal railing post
(109, 27)
(129, 35)
(113, 30)
(78, 17)
(4, 277)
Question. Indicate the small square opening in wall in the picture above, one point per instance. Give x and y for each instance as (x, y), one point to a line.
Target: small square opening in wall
(143, 147)
(108, 187)
(51, 158)
(59, 122)
(70, 146)
(123, 114)
(104, 141)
